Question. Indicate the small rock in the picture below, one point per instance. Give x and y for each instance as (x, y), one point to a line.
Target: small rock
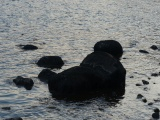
(144, 100)
(45, 75)
(154, 74)
(101, 109)
(139, 96)
(144, 51)
(131, 76)
(50, 62)
(18, 118)
(6, 108)
(138, 84)
(155, 115)
(156, 110)
(154, 47)
(150, 103)
(29, 47)
(145, 88)
(26, 82)
(145, 82)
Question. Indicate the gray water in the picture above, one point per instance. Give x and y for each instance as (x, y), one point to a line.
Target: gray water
(70, 28)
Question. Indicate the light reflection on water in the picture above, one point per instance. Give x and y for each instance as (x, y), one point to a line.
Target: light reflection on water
(70, 29)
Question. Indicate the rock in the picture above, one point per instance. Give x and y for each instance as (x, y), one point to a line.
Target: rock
(139, 96)
(45, 75)
(138, 84)
(109, 68)
(75, 81)
(131, 76)
(78, 83)
(26, 82)
(145, 82)
(50, 62)
(144, 100)
(144, 51)
(154, 47)
(6, 108)
(18, 118)
(156, 110)
(150, 103)
(28, 47)
(155, 115)
(110, 46)
(154, 74)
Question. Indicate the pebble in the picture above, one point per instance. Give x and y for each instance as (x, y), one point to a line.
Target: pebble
(144, 51)
(154, 47)
(138, 84)
(150, 103)
(6, 108)
(139, 96)
(145, 82)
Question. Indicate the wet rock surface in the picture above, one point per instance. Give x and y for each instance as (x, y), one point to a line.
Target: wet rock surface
(26, 82)
(50, 62)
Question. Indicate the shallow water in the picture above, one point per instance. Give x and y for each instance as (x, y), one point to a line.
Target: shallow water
(70, 30)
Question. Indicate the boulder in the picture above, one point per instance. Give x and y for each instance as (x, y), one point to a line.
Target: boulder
(110, 69)
(26, 82)
(110, 46)
(75, 82)
(45, 75)
(50, 62)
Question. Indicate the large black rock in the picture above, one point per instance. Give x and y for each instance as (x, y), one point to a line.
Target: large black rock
(76, 81)
(110, 46)
(26, 82)
(108, 68)
(50, 62)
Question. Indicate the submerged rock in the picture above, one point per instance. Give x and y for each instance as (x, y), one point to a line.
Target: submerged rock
(154, 47)
(45, 75)
(28, 47)
(155, 115)
(110, 46)
(144, 51)
(50, 62)
(145, 82)
(17, 118)
(139, 96)
(26, 82)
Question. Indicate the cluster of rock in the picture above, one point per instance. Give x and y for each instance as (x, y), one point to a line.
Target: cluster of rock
(100, 72)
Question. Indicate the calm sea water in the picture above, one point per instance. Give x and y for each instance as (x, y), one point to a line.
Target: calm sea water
(70, 29)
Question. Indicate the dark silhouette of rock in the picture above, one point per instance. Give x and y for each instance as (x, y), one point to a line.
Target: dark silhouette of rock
(109, 68)
(145, 82)
(155, 115)
(45, 75)
(75, 81)
(155, 74)
(144, 51)
(150, 103)
(156, 110)
(28, 47)
(6, 108)
(50, 62)
(154, 47)
(139, 96)
(110, 46)
(26, 82)
(144, 100)
(138, 84)
(17, 118)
